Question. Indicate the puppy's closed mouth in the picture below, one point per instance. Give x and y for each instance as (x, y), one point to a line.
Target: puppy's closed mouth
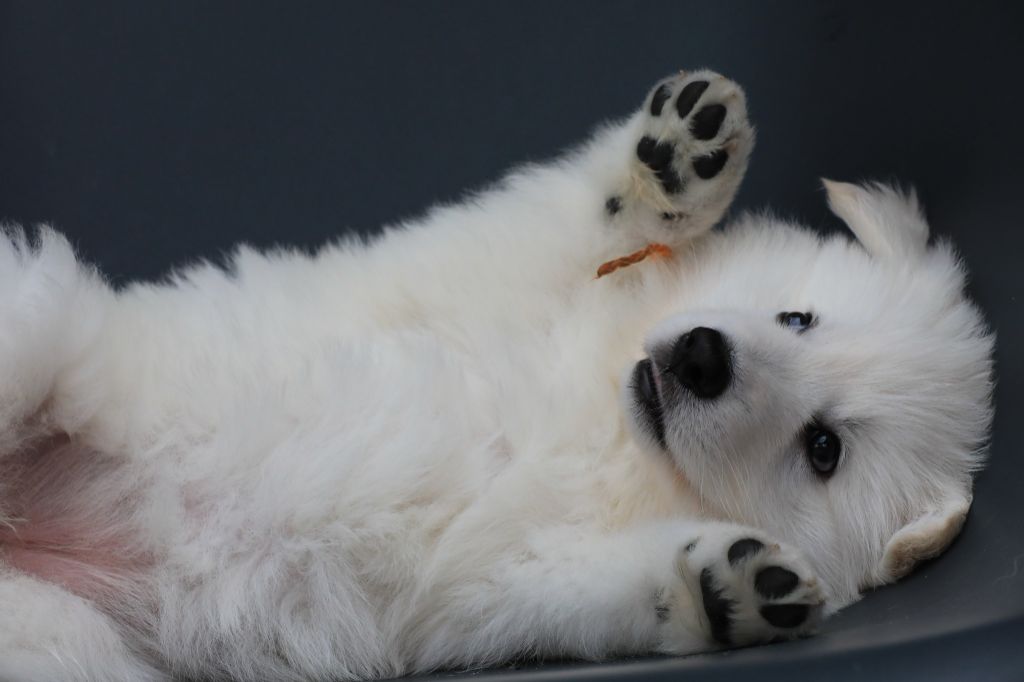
(650, 412)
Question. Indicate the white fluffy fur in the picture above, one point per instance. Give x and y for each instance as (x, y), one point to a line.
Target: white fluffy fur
(388, 458)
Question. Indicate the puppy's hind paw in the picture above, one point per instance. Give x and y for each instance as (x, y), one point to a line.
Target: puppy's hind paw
(747, 589)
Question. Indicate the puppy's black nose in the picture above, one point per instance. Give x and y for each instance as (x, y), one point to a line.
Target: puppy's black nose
(700, 361)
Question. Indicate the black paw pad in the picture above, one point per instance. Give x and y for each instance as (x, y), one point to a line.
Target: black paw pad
(689, 96)
(718, 608)
(653, 154)
(707, 121)
(785, 615)
(774, 582)
(670, 181)
(613, 205)
(658, 157)
(710, 165)
(659, 98)
(741, 549)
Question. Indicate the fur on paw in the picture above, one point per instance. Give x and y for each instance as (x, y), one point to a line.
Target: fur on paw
(747, 589)
(691, 151)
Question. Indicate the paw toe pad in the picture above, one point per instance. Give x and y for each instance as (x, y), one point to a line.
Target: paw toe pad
(689, 96)
(707, 121)
(710, 165)
(659, 98)
(741, 549)
(774, 582)
(785, 615)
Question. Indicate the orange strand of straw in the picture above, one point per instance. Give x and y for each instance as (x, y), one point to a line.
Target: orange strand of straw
(655, 249)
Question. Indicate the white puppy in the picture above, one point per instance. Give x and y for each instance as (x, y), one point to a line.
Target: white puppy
(454, 446)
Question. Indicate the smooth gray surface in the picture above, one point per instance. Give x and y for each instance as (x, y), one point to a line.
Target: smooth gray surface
(153, 133)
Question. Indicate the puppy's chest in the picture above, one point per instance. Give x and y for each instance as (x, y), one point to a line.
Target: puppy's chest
(564, 420)
(559, 386)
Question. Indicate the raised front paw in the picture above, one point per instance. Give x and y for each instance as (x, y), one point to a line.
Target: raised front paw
(744, 589)
(691, 152)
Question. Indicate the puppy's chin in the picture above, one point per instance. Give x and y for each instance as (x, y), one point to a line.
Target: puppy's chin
(644, 405)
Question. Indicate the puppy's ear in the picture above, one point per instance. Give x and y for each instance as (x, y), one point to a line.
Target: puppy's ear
(925, 537)
(886, 221)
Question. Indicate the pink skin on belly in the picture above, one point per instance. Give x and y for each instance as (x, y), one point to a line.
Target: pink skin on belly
(67, 514)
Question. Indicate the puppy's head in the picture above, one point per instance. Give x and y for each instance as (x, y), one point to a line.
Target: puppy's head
(836, 394)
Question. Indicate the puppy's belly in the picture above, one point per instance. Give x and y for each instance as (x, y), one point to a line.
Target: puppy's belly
(67, 518)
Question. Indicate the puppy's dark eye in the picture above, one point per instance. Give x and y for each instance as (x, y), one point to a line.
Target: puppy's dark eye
(823, 450)
(798, 322)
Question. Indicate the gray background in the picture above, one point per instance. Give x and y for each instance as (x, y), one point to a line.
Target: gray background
(156, 132)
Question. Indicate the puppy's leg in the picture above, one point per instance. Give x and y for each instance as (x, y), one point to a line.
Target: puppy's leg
(48, 634)
(51, 311)
(682, 587)
(665, 174)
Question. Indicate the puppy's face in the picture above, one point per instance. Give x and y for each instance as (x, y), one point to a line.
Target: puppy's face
(834, 397)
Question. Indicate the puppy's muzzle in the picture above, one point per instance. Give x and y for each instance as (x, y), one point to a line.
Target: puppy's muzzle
(702, 362)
